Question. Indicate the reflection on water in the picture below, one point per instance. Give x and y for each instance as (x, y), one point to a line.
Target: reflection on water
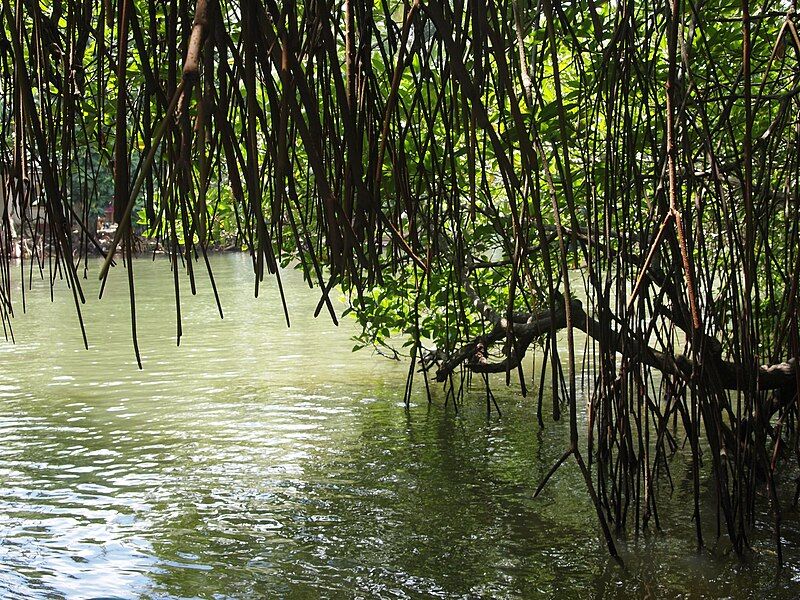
(256, 461)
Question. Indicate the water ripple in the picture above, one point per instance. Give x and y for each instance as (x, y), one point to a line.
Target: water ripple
(255, 461)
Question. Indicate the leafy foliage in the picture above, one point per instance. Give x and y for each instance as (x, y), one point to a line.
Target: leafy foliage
(467, 173)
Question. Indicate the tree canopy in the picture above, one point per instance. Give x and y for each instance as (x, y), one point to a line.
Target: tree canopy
(478, 177)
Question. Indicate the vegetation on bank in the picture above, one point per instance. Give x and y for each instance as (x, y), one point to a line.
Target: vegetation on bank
(477, 177)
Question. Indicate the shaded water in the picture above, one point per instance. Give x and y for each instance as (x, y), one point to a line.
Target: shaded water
(256, 461)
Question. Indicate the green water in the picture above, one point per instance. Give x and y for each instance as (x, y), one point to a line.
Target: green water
(259, 461)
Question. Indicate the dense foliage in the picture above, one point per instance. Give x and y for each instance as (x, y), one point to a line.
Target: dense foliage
(468, 174)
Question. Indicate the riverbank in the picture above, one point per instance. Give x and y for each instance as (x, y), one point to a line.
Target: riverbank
(99, 242)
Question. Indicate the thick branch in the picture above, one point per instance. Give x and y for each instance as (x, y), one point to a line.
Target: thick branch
(473, 354)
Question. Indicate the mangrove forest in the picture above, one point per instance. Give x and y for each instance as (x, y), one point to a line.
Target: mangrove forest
(528, 218)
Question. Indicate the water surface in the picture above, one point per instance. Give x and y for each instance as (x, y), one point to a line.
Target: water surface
(260, 461)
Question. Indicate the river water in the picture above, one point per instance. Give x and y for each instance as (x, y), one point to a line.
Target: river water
(260, 461)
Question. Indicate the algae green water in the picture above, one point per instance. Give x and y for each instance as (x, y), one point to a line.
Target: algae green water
(260, 461)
